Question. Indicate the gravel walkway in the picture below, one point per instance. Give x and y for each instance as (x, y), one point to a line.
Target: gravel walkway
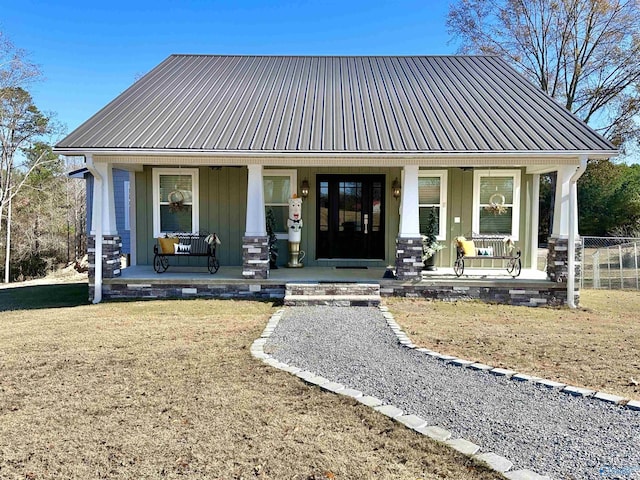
(549, 432)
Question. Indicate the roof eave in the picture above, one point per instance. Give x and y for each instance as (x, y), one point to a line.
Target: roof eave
(473, 154)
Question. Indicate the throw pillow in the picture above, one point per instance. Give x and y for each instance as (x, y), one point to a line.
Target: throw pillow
(167, 244)
(181, 249)
(468, 248)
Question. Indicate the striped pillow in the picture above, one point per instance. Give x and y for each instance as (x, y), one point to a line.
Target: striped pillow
(181, 249)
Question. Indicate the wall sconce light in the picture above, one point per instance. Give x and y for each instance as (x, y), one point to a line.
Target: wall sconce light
(304, 188)
(395, 188)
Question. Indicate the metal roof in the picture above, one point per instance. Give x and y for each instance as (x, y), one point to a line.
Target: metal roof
(417, 104)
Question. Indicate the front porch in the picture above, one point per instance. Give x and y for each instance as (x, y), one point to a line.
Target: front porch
(532, 288)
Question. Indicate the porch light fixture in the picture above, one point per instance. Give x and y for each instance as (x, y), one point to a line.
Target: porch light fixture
(395, 188)
(304, 188)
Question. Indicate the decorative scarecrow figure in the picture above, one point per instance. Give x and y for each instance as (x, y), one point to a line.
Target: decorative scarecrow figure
(294, 226)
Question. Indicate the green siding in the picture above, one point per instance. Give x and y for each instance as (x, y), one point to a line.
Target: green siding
(460, 204)
(222, 210)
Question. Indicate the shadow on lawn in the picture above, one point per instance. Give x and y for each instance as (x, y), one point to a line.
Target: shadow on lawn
(44, 296)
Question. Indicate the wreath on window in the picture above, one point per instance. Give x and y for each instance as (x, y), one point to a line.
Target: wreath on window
(496, 204)
(176, 201)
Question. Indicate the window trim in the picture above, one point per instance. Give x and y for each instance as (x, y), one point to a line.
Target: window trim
(515, 218)
(293, 182)
(195, 211)
(443, 175)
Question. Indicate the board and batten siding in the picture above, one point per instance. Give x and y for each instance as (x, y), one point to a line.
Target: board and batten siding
(460, 204)
(223, 200)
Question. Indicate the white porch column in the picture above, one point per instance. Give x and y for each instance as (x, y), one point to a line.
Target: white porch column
(409, 210)
(133, 221)
(535, 219)
(409, 262)
(562, 202)
(255, 244)
(256, 223)
(104, 191)
(565, 240)
(103, 245)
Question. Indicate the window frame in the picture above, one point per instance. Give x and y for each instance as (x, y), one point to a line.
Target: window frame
(195, 210)
(293, 184)
(515, 217)
(443, 175)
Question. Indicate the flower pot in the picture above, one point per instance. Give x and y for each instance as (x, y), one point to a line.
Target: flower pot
(430, 263)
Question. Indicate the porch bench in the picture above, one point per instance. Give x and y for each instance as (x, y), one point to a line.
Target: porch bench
(487, 247)
(185, 245)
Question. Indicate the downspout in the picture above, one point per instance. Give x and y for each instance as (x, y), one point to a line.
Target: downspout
(96, 219)
(571, 243)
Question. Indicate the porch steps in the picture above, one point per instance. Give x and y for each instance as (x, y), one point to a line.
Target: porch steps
(332, 294)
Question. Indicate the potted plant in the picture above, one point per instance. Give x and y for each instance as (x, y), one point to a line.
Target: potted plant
(272, 239)
(430, 245)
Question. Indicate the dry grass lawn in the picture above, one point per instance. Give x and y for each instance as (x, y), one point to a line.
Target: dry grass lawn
(168, 389)
(596, 346)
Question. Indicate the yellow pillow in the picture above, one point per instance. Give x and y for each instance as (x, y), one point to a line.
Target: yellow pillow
(166, 244)
(468, 248)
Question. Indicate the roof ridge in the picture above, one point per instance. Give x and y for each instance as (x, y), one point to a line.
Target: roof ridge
(279, 55)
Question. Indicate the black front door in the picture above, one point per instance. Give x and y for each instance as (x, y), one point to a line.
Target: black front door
(350, 216)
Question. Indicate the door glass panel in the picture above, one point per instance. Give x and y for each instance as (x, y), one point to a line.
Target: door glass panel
(376, 199)
(323, 202)
(350, 206)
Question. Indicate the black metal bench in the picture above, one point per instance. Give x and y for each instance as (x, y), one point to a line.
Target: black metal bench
(185, 245)
(488, 247)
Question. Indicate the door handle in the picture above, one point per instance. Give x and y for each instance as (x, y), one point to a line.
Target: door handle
(366, 223)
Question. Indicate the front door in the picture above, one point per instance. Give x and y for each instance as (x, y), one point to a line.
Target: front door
(350, 216)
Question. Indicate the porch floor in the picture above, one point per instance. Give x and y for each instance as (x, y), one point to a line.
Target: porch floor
(233, 274)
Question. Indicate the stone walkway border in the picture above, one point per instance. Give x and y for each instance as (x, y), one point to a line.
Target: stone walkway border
(414, 422)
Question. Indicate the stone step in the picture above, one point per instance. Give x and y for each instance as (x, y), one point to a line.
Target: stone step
(333, 289)
(332, 294)
(332, 300)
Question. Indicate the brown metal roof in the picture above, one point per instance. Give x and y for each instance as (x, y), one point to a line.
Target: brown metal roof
(366, 104)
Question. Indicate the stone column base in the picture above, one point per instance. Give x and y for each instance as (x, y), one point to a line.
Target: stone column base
(255, 257)
(111, 249)
(409, 262)
(558, 260)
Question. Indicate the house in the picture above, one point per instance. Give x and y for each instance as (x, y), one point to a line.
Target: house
(238, 135)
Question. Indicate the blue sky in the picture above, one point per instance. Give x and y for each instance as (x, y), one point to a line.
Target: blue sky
(89, 52)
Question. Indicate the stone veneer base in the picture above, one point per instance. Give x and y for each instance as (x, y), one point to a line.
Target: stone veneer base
(409, 262)
(255, 257)
(529, 293)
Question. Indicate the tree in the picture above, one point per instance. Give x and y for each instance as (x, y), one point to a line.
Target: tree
(584, 53)
(21, 125)
(609, 199)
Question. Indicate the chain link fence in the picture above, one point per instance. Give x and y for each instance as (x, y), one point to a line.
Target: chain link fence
(610, 262)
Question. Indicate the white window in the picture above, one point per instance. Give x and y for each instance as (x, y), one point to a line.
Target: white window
(496, 202)
(175, 200)
(279, 185)
(432, 194)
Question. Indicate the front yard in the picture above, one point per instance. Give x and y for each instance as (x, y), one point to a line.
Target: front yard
(596, 346)
(168, 389)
